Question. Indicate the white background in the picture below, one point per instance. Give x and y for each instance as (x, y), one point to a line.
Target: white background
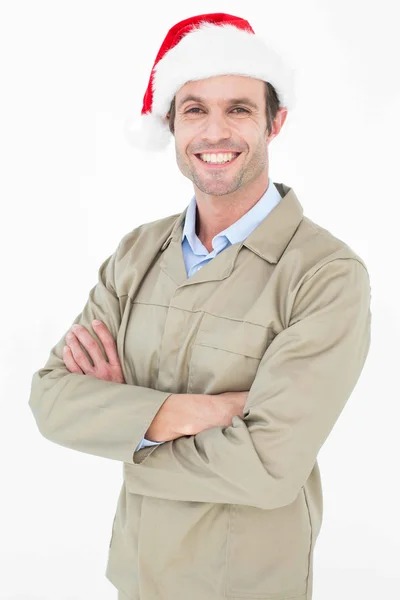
(71, 187)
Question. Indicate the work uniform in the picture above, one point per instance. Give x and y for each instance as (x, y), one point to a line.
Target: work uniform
(234, 511)
(196, 255)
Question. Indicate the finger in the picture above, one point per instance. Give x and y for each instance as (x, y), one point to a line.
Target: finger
(108, 342)
(78, 354)
(90, 344)
(69, 361)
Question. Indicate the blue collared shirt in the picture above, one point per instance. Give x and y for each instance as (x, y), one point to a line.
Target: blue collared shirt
(196, 255)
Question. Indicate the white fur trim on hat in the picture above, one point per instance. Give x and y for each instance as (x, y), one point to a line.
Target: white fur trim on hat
(148, 132)
(212, 50)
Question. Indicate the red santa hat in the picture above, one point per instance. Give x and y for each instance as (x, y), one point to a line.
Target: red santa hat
(197, 48)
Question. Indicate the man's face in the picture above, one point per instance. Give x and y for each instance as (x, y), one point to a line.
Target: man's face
(221, 115)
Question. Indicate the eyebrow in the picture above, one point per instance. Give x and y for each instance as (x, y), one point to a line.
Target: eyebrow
(243, 100)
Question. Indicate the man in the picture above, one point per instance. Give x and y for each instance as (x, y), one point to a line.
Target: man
(227, 338)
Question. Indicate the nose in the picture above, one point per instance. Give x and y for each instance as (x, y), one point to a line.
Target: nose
(215, 129)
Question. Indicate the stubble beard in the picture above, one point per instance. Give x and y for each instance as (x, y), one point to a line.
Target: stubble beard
(218, 183)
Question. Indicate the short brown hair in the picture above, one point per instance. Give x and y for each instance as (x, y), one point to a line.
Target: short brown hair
(271, 101)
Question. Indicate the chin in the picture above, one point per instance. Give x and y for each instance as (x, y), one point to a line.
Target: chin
(215, 190)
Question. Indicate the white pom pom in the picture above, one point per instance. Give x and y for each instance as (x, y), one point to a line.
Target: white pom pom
(148, 132)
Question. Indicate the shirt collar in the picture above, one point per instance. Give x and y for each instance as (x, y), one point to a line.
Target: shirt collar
(270, 239)
(239, 230)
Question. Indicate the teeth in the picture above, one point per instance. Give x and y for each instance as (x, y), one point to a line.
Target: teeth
(218, 158)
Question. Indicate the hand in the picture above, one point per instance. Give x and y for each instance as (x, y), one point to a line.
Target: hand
(214, 410)
(189, 414)
(76, 360)
(228, 405)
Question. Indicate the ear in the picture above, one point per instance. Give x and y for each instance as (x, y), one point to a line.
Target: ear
(282, 114)
(278, 122)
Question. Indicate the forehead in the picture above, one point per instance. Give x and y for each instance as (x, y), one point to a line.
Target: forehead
(223, 88)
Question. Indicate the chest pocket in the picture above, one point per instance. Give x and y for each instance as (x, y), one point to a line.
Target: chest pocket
(226, 354)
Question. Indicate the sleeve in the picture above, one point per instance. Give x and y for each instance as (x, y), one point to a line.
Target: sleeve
(303, 382)
(82, 412)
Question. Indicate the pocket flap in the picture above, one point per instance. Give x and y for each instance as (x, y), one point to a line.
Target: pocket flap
(240, 337)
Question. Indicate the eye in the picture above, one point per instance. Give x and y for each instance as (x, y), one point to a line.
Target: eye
(197, 108)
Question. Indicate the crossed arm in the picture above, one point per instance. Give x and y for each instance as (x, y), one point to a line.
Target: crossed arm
(179, 415)
(266, 454)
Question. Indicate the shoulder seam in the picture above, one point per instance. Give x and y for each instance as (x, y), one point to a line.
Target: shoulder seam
(338, 258)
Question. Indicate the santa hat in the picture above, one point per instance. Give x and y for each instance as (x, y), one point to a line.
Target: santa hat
(197, 48)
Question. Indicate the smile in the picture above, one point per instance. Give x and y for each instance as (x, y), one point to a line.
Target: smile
(216, 161)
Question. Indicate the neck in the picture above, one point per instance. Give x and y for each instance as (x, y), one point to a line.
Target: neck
(216, 213)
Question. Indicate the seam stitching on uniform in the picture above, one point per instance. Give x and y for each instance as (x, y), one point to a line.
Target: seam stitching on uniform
(224, 350)
(333, 260)
(228, 539)
(311, 539)
(201, 311)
